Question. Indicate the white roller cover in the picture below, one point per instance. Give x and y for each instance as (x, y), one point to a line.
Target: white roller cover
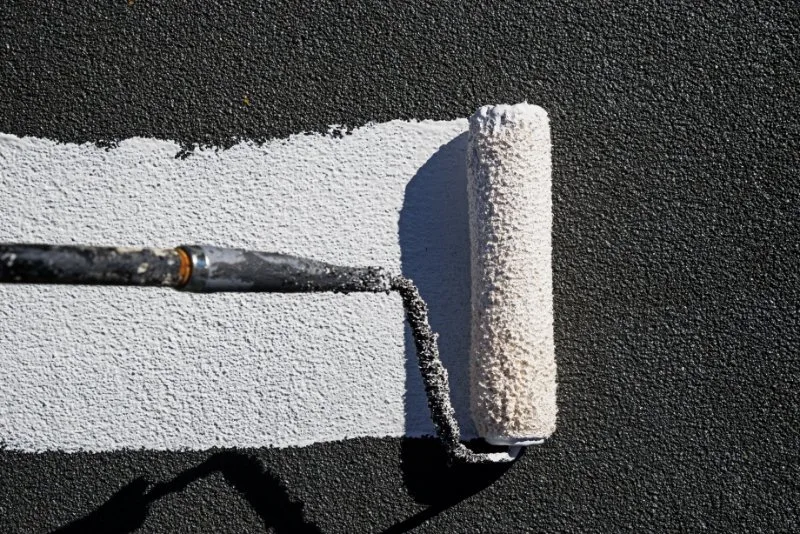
(513, 368)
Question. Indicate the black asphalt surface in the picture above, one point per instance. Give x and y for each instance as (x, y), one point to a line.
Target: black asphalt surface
(676, 249)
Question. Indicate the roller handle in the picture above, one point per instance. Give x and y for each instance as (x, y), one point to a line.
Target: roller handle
(72, 264)
(201, 269)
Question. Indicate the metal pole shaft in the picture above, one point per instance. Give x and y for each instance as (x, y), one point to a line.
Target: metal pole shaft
(201, 269)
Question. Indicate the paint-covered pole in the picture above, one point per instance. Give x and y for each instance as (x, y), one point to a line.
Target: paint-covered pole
(72, 264)
(200, 269)
(219, 269)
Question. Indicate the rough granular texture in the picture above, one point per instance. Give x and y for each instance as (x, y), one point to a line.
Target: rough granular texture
(676, 211)
(512, 360)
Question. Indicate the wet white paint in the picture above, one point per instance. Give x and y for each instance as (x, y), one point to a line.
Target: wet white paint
(110, 368)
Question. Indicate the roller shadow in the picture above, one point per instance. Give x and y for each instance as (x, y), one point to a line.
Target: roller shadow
(432, 481)
(127, 509)
(435, 254)
(434, 245)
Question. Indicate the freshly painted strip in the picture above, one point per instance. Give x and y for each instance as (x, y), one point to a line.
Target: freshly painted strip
(103, 368)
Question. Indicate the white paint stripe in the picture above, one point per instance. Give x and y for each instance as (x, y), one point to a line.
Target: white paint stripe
(109, 368)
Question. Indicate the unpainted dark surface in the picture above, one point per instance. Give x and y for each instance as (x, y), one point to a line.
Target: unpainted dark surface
(676, 251)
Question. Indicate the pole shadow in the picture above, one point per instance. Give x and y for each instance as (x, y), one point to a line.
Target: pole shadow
(127, 510)
(435, 254)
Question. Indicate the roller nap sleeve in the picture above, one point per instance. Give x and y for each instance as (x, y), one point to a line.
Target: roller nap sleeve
(512, 356)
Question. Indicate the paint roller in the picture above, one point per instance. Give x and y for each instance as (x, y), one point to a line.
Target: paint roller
(512, 363)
